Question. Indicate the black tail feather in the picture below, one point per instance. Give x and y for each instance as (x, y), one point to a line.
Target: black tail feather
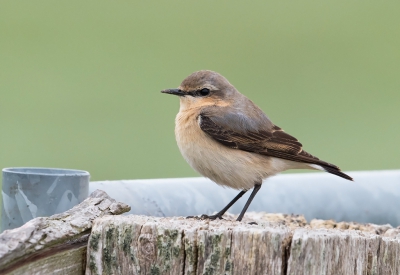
(336, 172)
(305, 157)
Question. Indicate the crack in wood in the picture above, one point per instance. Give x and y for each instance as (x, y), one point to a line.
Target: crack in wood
(80, 241)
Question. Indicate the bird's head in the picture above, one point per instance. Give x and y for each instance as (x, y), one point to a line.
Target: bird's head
(204, 88)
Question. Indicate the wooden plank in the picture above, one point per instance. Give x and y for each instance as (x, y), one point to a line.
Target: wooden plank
(64, 262)
(56, 244)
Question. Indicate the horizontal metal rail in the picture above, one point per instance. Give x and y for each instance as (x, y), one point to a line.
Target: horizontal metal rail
(373, 197)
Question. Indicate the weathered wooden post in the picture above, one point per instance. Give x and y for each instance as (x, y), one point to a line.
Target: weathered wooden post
(276, 245)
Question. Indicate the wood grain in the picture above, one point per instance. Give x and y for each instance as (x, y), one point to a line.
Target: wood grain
(56, 244)
(278, 244)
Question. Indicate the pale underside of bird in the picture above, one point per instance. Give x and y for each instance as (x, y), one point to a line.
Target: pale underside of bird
(224, 136)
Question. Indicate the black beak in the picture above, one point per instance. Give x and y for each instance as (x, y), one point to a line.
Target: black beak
(173, 92)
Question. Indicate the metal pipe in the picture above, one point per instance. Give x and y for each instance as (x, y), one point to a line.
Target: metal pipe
(373, 197)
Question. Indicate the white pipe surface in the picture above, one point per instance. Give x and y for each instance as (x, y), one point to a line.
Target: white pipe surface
(373, 197)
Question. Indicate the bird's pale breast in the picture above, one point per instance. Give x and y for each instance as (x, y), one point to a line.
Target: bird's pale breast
(225, 166)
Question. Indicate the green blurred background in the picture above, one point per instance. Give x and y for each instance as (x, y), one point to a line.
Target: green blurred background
(80, 81)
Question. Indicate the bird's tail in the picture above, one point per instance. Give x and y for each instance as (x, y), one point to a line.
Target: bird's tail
(336, 171)
(311, 160)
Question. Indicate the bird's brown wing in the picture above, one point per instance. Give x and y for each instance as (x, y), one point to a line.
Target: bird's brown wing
(256, 142)
(274, 143)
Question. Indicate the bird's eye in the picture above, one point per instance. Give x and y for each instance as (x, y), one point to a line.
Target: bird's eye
(204, 92)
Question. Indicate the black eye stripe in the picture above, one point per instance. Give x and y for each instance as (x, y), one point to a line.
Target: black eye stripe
(199, 93)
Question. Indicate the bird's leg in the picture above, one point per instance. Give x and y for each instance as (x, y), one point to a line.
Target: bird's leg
(253, 194)
(222, 212)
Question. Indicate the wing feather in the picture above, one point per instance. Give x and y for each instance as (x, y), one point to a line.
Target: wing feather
(274, 142)
(257, 142)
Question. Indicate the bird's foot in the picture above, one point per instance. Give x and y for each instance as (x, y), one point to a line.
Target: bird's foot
(205, 217)
(253, 223)
(212, 217)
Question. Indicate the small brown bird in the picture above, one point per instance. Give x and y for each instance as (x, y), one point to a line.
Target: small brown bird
(225, 137)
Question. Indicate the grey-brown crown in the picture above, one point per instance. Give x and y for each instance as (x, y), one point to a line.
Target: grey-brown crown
(205, 79)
